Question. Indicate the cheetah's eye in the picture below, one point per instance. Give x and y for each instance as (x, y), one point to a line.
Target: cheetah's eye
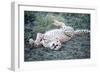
(40, 39)
(56, 45)
(53, 44)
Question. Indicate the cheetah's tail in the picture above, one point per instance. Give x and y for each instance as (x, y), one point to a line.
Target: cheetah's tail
(81, 31)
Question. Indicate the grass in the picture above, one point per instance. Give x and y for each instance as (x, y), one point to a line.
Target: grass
(76, 48)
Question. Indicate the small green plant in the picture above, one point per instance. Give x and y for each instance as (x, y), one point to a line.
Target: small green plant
(44, 22)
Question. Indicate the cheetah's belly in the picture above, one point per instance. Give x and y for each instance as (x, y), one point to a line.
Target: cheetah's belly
(56, 34)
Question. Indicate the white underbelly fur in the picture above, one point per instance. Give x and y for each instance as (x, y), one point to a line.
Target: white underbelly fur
(57, 34)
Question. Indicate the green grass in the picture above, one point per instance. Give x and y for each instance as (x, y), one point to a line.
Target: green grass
(76, 48)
